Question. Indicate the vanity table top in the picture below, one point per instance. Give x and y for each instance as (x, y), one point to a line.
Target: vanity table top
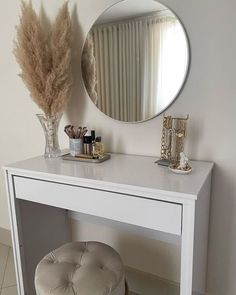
(129, 174)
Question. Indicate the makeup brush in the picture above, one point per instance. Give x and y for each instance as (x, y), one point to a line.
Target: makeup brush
(75, 133)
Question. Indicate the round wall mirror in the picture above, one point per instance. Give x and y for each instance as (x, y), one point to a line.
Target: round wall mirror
(135, 60)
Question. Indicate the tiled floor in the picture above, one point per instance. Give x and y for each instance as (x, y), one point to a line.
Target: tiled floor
(7, 271)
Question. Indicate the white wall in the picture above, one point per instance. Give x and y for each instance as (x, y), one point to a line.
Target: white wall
(209, 98)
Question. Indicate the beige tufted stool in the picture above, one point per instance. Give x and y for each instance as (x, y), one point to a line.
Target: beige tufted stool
(81, 268)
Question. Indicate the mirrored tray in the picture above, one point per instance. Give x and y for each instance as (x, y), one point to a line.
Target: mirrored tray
(82, 158)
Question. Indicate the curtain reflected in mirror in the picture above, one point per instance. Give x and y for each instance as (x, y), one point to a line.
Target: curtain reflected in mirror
(133, 68)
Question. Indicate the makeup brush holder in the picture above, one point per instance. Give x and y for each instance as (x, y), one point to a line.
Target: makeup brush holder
(76, 146)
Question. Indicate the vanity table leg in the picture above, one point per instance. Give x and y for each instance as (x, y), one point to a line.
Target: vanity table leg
(16, 237)
(36, 229)
(187, 248)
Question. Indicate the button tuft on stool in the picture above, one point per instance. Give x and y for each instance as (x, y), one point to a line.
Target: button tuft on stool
(83, 268)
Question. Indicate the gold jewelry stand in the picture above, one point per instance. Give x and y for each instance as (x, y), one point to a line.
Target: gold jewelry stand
(172, 141)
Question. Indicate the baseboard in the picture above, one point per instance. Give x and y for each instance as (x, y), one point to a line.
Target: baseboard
(5, 237)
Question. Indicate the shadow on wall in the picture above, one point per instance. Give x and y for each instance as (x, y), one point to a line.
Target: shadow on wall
(223, 229)
(44, 19)
(138, 248)
(194, 134)
(150, 256)
(78, 99)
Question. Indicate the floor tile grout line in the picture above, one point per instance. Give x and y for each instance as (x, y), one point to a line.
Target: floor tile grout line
(5, 268)
(5, 245)
(7, 287)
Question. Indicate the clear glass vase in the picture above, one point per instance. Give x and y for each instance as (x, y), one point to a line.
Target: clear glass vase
(50, 127)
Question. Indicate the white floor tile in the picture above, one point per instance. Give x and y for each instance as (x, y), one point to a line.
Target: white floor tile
(10, 276)
(9, 291)
(5, 237)
(4, 250)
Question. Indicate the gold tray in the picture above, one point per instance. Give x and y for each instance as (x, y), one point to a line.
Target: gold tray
(87, 160)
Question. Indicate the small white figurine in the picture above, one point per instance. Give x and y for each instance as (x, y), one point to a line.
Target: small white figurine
(183, 163)
(183, 167)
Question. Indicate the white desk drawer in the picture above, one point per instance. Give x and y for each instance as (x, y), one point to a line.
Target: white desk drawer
(153, 214)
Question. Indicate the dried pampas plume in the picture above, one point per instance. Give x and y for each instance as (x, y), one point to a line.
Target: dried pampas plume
(45, 62)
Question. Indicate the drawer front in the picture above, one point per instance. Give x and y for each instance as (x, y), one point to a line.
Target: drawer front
(153, 214)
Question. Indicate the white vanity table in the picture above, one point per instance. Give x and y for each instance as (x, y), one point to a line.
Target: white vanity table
(129, 189)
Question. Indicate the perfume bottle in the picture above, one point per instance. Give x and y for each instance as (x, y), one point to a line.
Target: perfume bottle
(94, 153)
(98, 150)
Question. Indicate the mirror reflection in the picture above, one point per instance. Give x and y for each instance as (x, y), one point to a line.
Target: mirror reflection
(135, 60)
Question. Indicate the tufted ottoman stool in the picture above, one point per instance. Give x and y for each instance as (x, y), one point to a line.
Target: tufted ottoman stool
(81, 268)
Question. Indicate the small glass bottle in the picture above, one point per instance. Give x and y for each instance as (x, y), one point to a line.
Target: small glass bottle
(99, 147)
(87, 145)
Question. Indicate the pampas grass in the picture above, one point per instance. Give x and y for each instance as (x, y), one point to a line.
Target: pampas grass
(45, 59)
